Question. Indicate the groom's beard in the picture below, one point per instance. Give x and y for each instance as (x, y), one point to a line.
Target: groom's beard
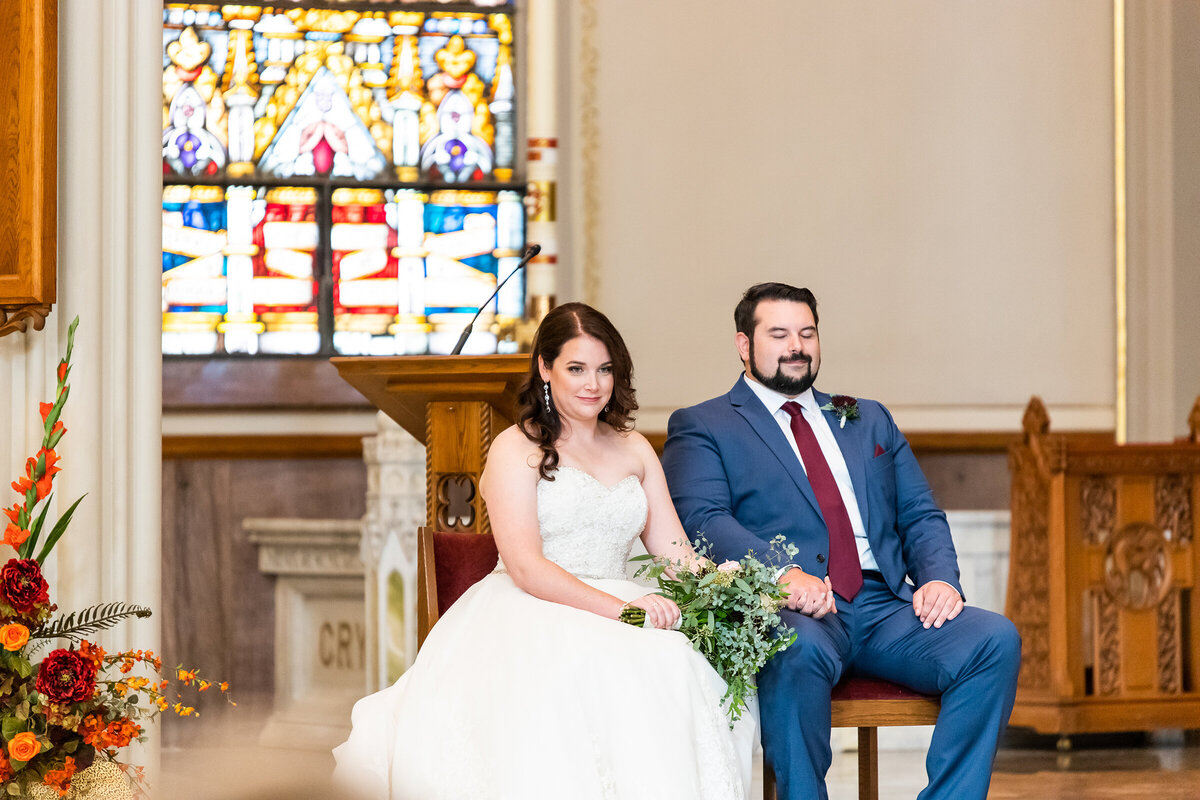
(779, 381)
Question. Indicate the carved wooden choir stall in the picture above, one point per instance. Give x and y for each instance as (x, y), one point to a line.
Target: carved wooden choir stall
(1102, 581)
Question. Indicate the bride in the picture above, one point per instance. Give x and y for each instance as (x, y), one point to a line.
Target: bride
(529, 687)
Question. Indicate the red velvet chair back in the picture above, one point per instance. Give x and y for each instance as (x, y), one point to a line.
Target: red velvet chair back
(460, 561)
(447, 565)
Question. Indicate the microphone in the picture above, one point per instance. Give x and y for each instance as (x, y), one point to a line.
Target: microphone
(532, 251)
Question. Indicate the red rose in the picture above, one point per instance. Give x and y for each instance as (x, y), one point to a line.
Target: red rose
(842, 400)
(22, 585)
(66, 676)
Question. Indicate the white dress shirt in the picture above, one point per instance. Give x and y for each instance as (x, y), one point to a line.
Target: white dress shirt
(774, 401)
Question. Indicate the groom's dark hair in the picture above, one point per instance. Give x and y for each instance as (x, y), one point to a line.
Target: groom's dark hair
(743, 315)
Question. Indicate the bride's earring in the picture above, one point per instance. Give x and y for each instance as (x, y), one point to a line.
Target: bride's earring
(546, 394)
(606, 408)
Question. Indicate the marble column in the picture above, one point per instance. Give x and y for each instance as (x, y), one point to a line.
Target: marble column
(395, 509)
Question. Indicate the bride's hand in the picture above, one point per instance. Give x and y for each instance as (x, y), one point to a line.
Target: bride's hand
(661, 612)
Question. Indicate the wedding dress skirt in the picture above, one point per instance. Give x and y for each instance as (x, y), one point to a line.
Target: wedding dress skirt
(513, 697)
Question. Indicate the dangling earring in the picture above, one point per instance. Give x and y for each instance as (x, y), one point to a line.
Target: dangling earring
(546, 394)
(606, 408)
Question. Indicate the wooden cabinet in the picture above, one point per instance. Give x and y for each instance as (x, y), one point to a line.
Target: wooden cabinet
(28, 162)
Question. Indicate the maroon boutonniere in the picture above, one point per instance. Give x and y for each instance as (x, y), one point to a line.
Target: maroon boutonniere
(843, 406)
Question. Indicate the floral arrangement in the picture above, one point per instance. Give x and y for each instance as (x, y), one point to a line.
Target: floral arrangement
(78, 704)
(730, 613)
(843, 406)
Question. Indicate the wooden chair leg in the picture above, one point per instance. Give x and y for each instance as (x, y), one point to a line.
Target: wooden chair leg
(868, 763)
(769, 792)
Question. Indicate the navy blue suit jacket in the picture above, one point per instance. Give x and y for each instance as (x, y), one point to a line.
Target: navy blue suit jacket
(735, 479)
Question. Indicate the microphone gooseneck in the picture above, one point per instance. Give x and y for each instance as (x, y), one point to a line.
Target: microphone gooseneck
(530, 252)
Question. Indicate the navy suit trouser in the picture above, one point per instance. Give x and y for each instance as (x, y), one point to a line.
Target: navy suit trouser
(971, 661)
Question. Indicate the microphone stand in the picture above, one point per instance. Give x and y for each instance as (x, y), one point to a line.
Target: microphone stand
(532, 251)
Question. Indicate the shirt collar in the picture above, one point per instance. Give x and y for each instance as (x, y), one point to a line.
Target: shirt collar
(774, 401)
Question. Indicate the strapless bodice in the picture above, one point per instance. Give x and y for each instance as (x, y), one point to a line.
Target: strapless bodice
(587, 527)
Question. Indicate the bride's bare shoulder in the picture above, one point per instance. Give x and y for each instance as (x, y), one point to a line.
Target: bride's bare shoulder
(512, 446)
(632, 442)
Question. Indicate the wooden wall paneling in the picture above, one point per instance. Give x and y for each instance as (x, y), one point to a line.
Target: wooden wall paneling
(218, 609)
(262, 446)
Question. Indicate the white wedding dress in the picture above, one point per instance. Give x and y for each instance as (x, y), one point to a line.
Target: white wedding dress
(516, 698)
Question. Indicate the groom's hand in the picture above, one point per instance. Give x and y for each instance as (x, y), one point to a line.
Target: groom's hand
(937, 602)
(808, 594)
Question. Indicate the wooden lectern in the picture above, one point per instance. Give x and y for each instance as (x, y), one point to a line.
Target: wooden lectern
(1102, 581)
(455, 406)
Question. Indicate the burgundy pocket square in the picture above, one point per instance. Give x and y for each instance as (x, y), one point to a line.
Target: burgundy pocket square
(879, 450)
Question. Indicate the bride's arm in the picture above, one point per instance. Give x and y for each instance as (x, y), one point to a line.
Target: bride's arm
(509, 487)
(664, 535)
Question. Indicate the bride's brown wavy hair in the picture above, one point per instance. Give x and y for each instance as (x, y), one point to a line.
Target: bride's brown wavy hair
(560, 326)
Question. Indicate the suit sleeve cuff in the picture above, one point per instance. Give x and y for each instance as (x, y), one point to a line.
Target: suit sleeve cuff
(783, 570)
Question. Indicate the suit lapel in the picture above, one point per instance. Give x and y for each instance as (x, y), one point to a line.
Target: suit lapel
(746, 403)
(848, 442)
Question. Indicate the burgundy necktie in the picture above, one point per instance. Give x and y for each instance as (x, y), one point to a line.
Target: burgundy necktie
(845, 571)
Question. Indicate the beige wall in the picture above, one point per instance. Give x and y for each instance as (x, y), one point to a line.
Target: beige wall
(940, 174)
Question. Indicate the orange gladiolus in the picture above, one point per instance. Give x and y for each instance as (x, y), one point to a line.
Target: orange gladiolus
(44, 486)
(14, 513)
(23, 746)
(14, 636)
(21, 486)
(62, 371)
(45, 408)
(15, 536)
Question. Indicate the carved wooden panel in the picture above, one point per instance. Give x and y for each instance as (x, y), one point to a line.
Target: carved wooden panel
(1108, 646)
(28, 162)
(1028, 587)
(454, 502)
(1173, 507)
(1098, 496)
(459, 435)
(1137, 567)
(1170, 645)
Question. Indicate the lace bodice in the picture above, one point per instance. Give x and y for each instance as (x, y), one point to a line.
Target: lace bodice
(588, 528)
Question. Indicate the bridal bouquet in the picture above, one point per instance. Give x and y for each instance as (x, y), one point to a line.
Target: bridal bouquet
(78, 703)
(730, 613)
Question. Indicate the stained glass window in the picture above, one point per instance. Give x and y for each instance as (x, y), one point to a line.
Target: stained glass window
(338, 179)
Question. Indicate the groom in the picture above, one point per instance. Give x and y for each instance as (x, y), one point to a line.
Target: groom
(836, 477)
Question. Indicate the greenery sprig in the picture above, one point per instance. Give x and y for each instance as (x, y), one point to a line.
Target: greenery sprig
(730, 613)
